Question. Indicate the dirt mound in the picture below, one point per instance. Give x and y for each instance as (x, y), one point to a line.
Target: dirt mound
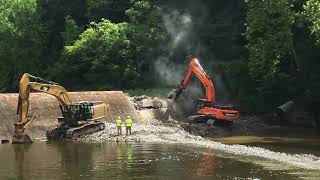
(45, 109)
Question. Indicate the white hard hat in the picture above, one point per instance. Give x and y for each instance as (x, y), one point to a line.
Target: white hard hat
(119, 117)
(128, 116)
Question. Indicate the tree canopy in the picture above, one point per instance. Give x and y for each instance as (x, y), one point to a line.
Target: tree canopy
(268, 50)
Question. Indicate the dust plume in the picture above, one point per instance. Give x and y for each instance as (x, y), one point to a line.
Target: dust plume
(181, 22)
(178, 26)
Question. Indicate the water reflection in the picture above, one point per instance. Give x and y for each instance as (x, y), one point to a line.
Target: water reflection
(22, 164)
(124, 153)
(76, 161)
(205, 166)
(69, 160)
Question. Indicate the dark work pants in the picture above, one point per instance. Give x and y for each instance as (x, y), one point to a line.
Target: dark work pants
(128, 129)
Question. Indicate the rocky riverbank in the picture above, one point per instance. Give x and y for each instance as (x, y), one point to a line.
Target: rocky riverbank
(163, 110)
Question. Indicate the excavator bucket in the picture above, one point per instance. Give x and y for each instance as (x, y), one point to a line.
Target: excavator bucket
(21, 138)
(19, 135)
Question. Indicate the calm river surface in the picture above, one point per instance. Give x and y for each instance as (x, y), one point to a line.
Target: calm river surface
(75, 160)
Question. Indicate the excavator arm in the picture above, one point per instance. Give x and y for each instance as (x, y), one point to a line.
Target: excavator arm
(196, 69)
(26, 86)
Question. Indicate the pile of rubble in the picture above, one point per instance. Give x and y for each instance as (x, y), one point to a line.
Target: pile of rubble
(153, 109)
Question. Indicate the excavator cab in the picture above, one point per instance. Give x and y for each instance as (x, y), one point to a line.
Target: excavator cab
(83, 111)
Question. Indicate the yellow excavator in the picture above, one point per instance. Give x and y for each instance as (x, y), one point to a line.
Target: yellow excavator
(78, 118)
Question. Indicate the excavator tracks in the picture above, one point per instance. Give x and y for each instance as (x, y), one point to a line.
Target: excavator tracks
(70, 133)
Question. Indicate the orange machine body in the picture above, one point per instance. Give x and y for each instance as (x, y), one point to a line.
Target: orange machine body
(210, 109)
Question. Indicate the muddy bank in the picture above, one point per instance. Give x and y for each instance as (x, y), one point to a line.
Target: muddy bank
(45, 110)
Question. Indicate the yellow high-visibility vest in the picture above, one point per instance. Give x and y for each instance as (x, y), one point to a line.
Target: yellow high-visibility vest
(118, 122)
(128, 122)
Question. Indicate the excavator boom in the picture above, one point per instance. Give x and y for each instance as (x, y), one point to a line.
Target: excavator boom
(196, 69)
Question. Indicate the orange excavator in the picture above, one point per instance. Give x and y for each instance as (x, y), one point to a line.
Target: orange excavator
(209, 110)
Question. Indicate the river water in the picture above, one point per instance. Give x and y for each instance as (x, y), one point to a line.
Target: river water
(161, 152)
(42, 160)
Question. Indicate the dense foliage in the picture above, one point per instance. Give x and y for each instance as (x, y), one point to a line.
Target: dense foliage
(271, 50)
(104, 53)
(21, 38)
(312, 11)
(268, 50)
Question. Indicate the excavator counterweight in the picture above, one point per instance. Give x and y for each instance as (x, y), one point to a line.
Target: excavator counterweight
(78, 118)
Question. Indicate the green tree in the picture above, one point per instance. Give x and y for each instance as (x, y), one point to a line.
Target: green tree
(148, 36)
(310, 64)
(114, 10)
(20, 41)
(100, 58)
(221, 27)
(71, 32)
(271, 51)
(312, 12)
(122, 51)
(52, 15)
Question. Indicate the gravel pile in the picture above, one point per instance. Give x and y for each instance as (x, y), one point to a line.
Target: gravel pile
(150, 132)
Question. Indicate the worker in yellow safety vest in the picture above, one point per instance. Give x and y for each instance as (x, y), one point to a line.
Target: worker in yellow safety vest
(128, 125)
(118, 123)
